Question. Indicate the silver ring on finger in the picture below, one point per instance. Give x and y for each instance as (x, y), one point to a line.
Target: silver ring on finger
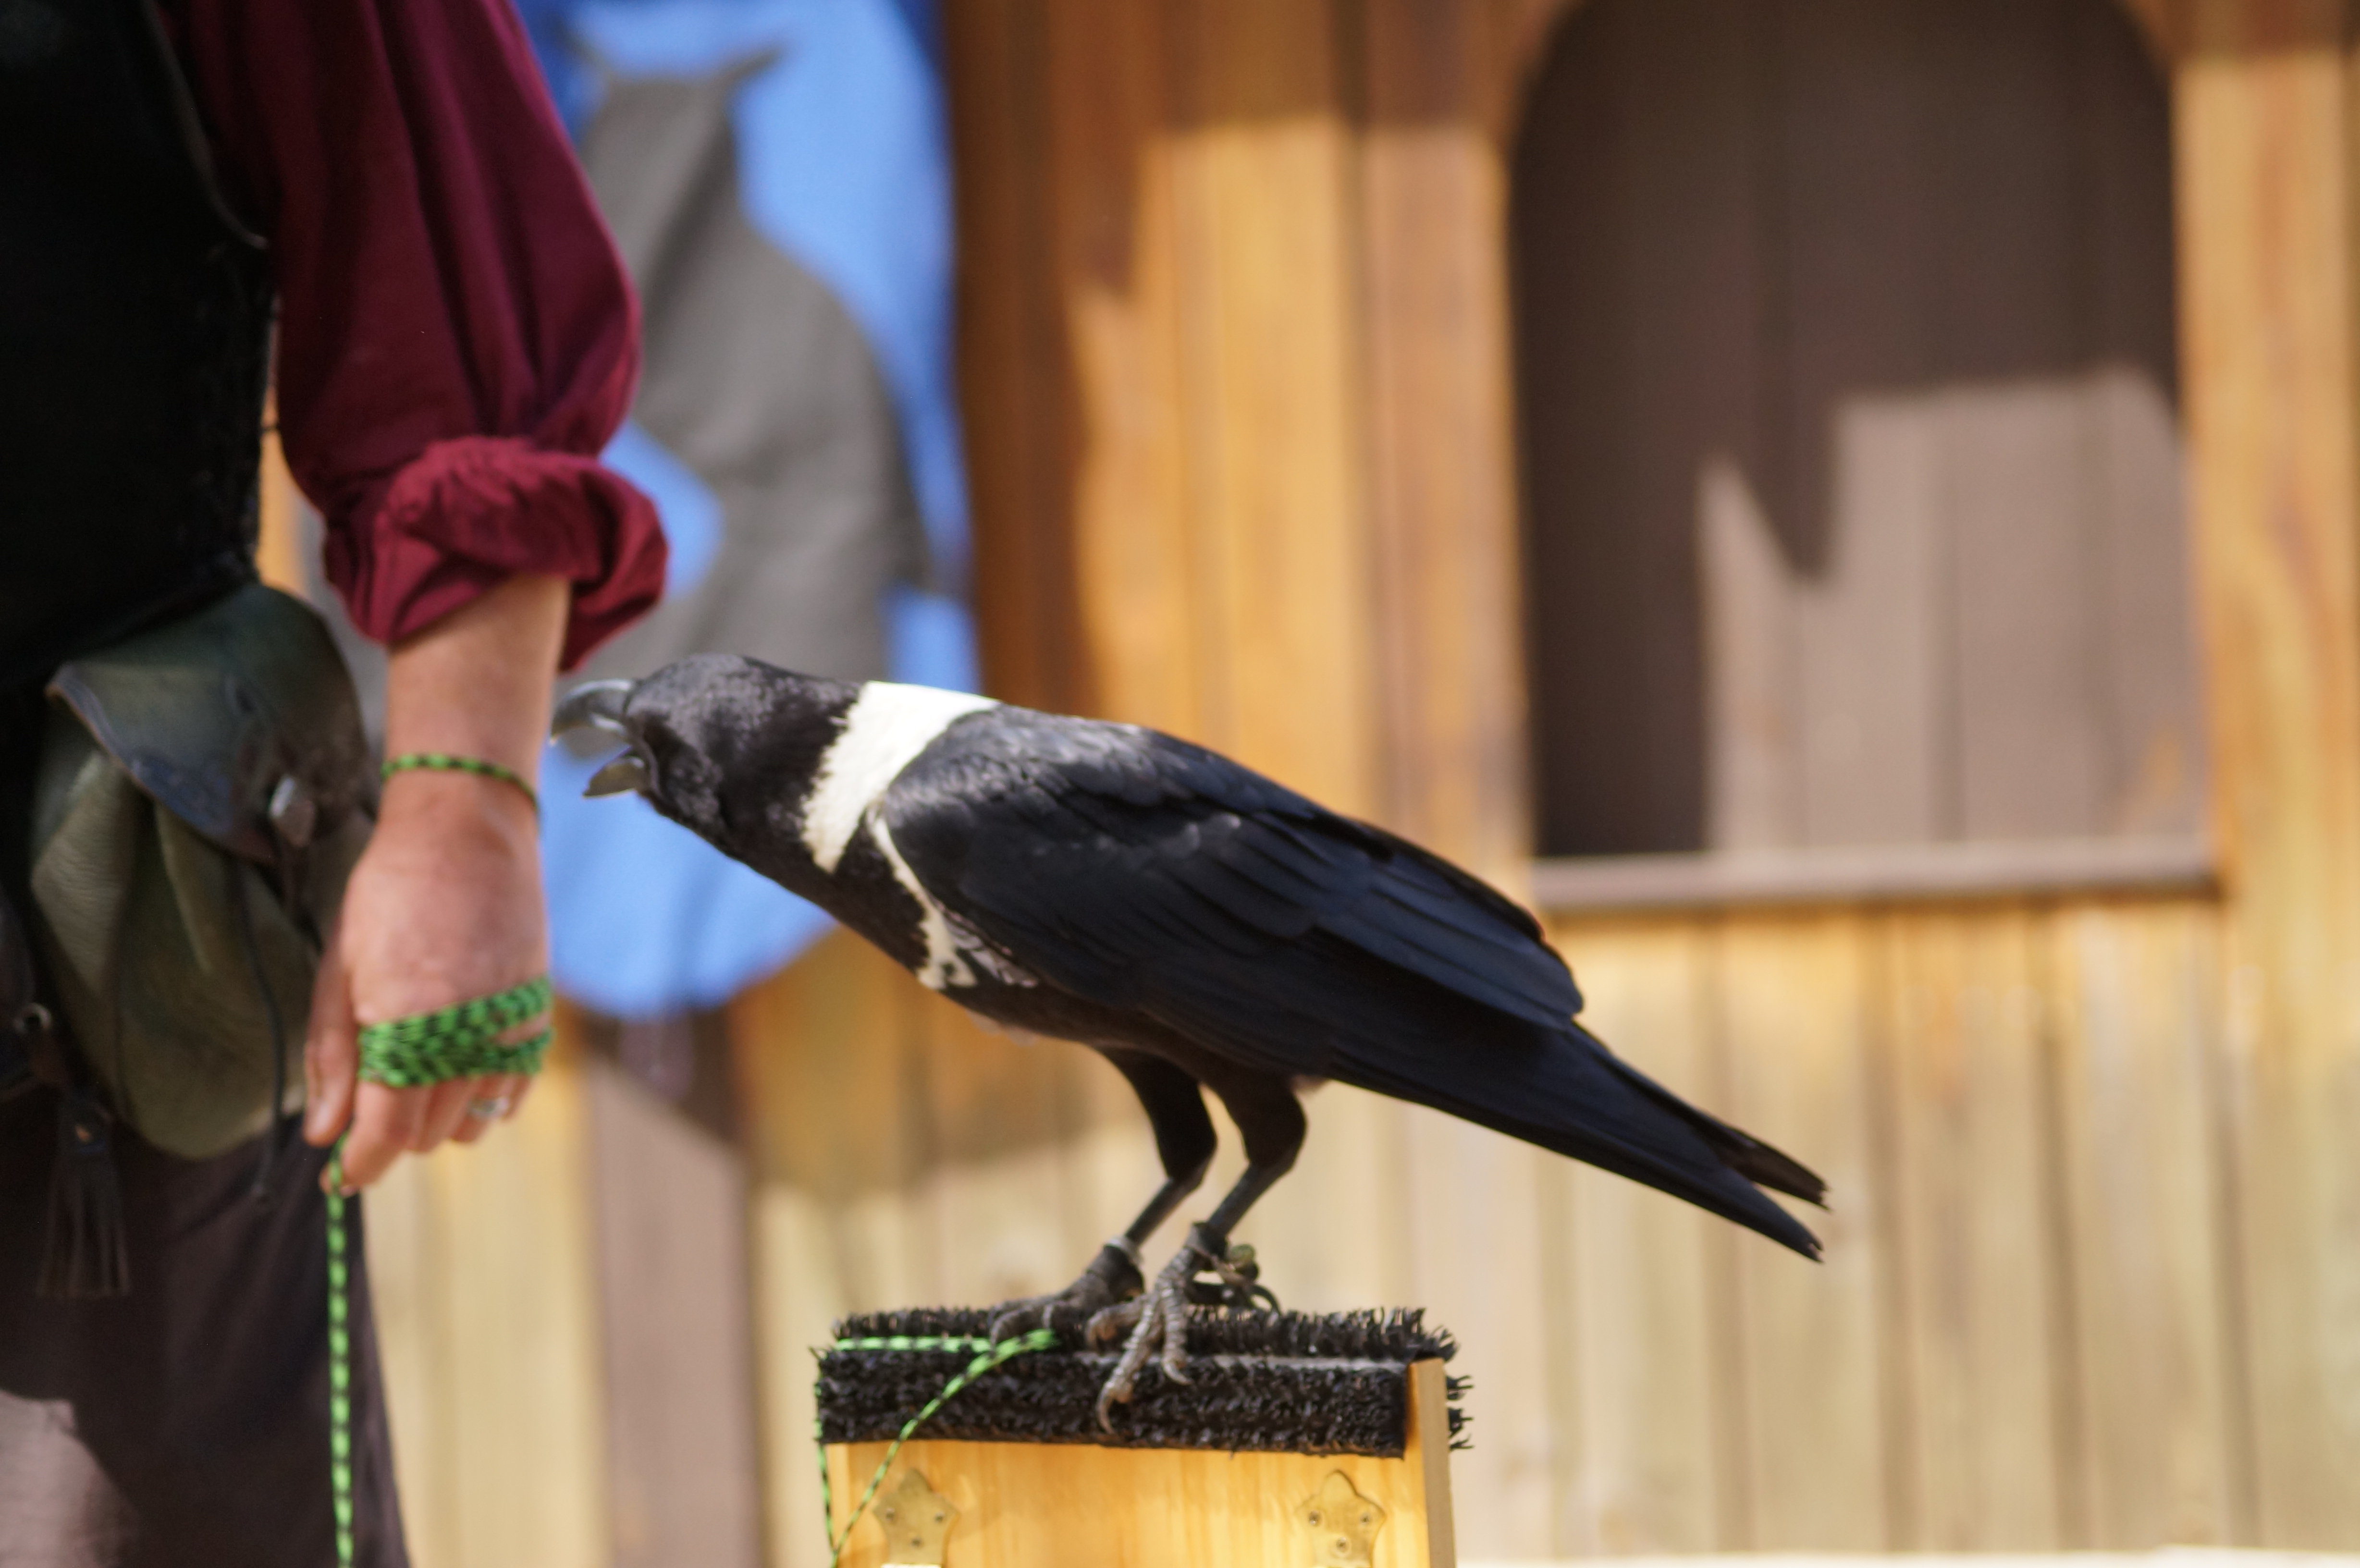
(490, 1110)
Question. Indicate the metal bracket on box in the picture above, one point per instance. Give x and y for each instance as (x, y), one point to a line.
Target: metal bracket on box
(917, 1521)
(1342, 1523)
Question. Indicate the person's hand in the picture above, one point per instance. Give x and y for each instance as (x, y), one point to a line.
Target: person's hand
(444, 906)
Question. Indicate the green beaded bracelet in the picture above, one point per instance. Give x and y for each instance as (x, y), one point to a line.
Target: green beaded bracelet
(444, 762)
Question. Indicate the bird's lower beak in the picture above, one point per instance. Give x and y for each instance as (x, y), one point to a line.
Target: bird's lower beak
(597, 705)
(620, 777)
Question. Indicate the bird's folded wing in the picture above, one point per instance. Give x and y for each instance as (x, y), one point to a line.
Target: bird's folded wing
(1142, 872)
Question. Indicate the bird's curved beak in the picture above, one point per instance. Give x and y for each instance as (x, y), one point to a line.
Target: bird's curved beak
(620, 777)
(598, 705)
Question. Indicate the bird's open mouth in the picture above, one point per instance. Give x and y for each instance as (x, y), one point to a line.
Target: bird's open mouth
(599, 705)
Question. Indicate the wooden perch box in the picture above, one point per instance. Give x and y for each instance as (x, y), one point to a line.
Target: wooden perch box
(1210, 1485)
(1068, 1505)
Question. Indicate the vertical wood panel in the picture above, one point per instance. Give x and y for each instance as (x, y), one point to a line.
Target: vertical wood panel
(670, 1195)
(2136, 996)
(1978, 1247)
(1267, 307)
(1441, 471)
(1112, 254)
(2265, 116)
(1475, 1265)
(486, 1304)
(999, 1124)
(835, 1136)
(1644, 1468)
(1793, 999)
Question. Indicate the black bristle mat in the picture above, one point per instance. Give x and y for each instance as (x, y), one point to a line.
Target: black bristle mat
(1265, 1382)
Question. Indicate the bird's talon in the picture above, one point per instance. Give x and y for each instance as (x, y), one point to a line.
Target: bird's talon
(1110, 1323)
(1085, 1301)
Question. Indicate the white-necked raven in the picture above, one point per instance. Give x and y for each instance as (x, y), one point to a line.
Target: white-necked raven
(1200, 926)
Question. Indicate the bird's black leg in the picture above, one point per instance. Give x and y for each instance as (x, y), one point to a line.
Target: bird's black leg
(1184, 1142)
(1271, 1120)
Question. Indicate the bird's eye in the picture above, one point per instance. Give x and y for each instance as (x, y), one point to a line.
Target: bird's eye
(1314, 1519)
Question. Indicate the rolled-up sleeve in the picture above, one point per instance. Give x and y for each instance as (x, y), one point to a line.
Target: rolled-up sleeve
(457, 340)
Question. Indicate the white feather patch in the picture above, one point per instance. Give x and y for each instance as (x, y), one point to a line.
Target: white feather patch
(883, 731)
(945, 966)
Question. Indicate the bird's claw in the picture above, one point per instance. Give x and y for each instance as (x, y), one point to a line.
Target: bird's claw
(1111, 1276)
(1158, 1320)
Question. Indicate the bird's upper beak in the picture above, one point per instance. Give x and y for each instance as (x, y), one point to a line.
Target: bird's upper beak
(599, 705)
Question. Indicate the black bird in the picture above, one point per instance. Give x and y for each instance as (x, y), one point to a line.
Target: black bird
(1197, 924)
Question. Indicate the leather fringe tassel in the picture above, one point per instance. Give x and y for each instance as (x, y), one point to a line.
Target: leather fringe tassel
(88, 1255)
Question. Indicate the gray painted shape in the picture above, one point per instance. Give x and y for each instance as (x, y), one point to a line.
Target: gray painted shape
(759, 381)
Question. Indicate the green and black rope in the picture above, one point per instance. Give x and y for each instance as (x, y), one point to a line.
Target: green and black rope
(989, 1355)
(461, 1042)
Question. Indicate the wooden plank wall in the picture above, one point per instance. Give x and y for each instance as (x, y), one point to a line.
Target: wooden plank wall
(486, 1296)
(2266, 106)
(1235, 375)
(2017, 1340)
(2023, 1336)
(1234, 353)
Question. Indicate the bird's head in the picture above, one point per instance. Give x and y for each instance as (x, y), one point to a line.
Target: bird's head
(722, 744)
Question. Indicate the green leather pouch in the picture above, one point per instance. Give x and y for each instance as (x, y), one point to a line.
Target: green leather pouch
(203, 792)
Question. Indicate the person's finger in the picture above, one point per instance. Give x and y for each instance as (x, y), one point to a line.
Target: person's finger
(501, 1089)
(385, 1124)
(331, 1051)
(445, 1108)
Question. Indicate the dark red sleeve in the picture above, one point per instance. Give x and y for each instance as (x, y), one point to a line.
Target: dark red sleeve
(457, 339)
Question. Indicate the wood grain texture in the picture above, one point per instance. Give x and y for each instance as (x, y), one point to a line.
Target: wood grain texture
(1072, 1506)
(2135, 995)
(2265, 110)
(1979, 1245)
(487, 1301)
(1226, 366)
(670, 1205)
(1442, 473)
(1795, 1013)
(1645, 1433)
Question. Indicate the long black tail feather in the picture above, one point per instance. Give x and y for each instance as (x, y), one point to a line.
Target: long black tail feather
(1567, 1094)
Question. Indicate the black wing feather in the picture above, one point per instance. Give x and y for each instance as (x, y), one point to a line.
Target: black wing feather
(1140, 872)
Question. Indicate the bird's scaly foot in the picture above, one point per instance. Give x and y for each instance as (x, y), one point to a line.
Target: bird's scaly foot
(1113, 1276)
(1158, 1320)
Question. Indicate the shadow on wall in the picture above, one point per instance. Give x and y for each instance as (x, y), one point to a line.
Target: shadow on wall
(1848, 398)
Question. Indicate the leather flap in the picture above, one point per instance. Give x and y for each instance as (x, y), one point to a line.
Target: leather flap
(213, 715)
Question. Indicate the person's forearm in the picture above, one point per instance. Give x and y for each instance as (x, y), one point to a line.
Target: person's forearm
(445, 903)
(477, 682)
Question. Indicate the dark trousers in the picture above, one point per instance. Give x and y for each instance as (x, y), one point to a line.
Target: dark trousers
(185, 1424)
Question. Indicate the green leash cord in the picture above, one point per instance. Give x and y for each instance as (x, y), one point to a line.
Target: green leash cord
(340, 1363)
(461, 1042)
(989, 1355)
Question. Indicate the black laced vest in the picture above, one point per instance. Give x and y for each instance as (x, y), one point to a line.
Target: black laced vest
(135, 321)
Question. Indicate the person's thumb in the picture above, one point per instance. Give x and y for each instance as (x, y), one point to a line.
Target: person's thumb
(331, 1051)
